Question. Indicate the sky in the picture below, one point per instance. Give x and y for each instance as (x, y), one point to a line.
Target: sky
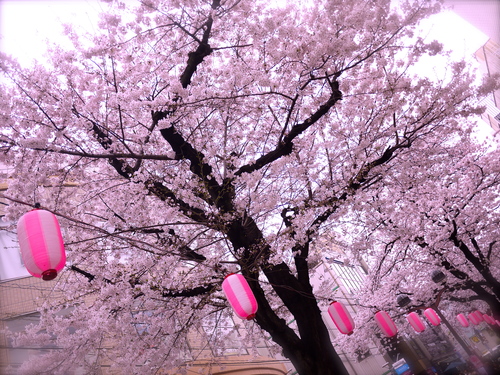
(27, 25)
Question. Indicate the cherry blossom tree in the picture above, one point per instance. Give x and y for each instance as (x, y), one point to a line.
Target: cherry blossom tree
(452, 229)
(187, 140)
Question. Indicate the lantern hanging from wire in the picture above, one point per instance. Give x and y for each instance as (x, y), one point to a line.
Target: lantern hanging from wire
(240, 296)
(432, 316)
(474, 319)
(386, 324)
(479, 315)
(41, 244)
(463, 320)
(341, 317)
(488, 319)
(415, 322)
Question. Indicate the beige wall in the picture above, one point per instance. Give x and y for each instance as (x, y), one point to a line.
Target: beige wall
(22, 296)
(19, 297)
(234, 365)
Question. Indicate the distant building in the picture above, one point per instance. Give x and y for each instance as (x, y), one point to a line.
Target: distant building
(20, 298)
(489, 59)
(345, 281)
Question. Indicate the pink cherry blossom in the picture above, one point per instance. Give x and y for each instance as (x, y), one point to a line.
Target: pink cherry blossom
(186, 140)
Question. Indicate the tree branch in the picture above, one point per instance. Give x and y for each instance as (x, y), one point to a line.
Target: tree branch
(285, 146)
(103, 156)
(165, 194)
(193, 292)
(197, 291)
(196, 57)
(220, 195)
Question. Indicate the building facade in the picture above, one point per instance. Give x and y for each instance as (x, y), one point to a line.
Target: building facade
(20, 298)
(489, 59)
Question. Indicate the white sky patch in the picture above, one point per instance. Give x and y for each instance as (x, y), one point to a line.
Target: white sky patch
(458, 37)
(455, 33)
(462, 40)
(26, 26)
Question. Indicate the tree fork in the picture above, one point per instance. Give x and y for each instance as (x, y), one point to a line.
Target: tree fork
(196, 57)
(313, 352)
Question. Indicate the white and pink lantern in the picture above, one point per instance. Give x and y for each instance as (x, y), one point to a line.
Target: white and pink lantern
(41, 244)
(488, 319)
(432, 316)
(462, 319)
(341, 317)
(240, 296)
(386, 324)
(474, 319)
(479, 315)
(415, 322)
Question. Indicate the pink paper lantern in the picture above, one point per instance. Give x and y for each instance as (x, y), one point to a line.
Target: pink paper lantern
(463, 320)
(341, 317)
(488, 319)
(479, 315)
(474, 319)
(415, 322)
(432, 316)
(41, 244)
(240, 296)
(386, 324)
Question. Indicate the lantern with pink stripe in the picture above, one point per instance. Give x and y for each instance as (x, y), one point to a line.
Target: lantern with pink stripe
(479, 315)
(41, 244)
(432, 316)
(415, 322)
(488, 319)
(474, 319)
(386, 324)
(341, 317)
(240, 296)
(463, 320)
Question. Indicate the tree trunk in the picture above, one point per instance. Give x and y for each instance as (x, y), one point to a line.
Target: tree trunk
(312, 352)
